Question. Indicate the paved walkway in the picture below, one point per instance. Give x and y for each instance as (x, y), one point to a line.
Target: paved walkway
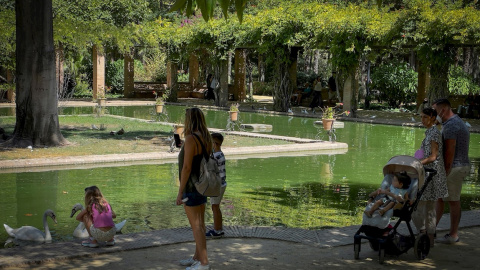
(323, 241)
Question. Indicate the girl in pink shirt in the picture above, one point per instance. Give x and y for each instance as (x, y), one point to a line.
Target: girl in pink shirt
(98, 218)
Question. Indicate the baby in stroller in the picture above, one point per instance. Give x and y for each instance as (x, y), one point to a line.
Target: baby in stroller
(395, 194)
(381, 235)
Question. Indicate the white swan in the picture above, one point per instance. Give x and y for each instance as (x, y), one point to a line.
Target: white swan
(30, 233)
(81, 232)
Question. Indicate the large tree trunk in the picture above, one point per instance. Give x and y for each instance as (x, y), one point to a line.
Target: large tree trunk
(261, 68)
(60, 60)
(36, 111)
(468, 59)
(350, 91)
(438, 87)
(423, 84)
(283, 88)
(316, 61)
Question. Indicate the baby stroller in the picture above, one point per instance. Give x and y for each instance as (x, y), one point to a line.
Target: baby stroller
(377, 230)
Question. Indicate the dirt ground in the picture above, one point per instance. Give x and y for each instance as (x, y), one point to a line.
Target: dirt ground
(247, 253)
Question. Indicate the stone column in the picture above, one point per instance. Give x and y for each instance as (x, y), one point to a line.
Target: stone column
(172, 79)
(229, 72)
(10, 92)
(128, 74)
(223, 92)
(239, 82)
(193, 73)
(98, 71)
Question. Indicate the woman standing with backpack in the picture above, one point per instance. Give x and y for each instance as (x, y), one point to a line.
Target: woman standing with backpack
(189, 158)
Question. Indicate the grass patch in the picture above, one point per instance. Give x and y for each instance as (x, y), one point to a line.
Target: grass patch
(85, 139)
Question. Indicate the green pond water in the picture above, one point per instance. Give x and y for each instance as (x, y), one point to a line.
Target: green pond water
(312, 191)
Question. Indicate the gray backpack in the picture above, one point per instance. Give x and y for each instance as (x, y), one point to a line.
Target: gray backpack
(208, 182)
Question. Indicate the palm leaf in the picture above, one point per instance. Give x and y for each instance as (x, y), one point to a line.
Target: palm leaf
(179, 5)
(224, 5)
(203, 8)
(239, 6)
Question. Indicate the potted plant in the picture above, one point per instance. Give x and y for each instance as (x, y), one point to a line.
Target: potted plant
(179, 127)
(102, 101)
(234, 112)
(328, 117)
(159, 102)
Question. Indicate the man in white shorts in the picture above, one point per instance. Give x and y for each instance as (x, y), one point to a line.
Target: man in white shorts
(456, 138)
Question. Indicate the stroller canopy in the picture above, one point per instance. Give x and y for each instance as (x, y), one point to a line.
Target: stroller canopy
(409, 164)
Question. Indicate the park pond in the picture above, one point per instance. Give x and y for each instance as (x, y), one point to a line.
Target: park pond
(311, 191)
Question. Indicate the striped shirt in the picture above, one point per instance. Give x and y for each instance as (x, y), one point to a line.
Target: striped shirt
(221, 166)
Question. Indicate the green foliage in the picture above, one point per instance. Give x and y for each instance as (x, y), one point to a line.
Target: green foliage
(7, 38)
(396, 81)
(183, 77)
(154, 67)
(460, 83)
(351, 30)
(114, 75)
(82, 89)
(207, 7)
(263, 88)
(306, 77)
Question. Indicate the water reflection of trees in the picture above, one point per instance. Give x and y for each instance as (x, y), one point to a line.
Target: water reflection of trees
(317, 205)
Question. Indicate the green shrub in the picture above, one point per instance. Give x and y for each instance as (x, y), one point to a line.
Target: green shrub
(263, 88)
(114, 76)
(396, 81)
(460, 83)
(82, 89)
(155, 66)
(304, 77)
(183, 77)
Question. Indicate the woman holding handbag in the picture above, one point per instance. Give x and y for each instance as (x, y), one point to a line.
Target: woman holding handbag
(189, 158)
(430, 155)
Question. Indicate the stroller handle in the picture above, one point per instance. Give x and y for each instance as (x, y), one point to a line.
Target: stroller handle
(430, 172)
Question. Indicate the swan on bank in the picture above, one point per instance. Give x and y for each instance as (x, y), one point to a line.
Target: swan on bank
(29, 233)
(80, 231)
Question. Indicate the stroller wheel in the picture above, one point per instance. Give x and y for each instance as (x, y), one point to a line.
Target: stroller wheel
(381, 256)
(356, 249)
(422, 246)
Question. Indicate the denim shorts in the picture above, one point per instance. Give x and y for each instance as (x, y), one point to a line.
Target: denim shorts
(194, 199)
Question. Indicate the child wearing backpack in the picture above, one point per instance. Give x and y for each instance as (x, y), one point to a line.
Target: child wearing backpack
(217, 232)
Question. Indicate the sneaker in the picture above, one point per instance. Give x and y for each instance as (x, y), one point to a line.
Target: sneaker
(89, 244)
(214, 234)
(110, 243)
(447, 239)
(198, 266)
(188, 262)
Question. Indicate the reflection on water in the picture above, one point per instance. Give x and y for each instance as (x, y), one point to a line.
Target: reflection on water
(315, 191)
